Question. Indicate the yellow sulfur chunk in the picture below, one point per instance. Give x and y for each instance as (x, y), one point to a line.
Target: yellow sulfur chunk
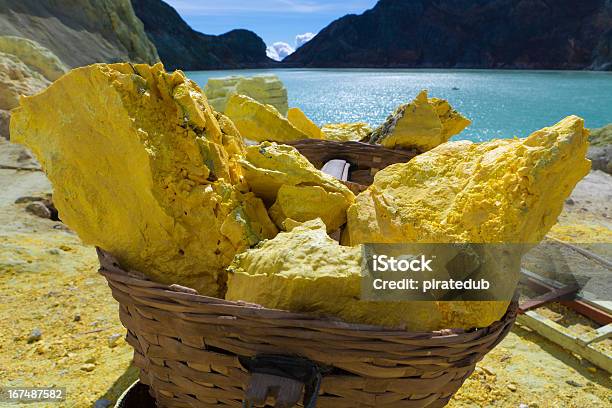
(301, 270)
(421, 124)
(304, 270)
(141, 167)
(281, 176)
(303, 203)
(452, 121)
(266, 89)
(503, 191)
(268, 166)
(260, 122)
(499, 191)
(344, 132)
(303, 123)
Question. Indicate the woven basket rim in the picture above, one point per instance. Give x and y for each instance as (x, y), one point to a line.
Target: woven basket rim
(110, 269)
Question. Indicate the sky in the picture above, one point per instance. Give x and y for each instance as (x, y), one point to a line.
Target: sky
(276, 21)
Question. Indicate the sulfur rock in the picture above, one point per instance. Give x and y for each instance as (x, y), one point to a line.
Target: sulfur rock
(503, 191)
(304, 270)
(142, 167)
(266, 89)
(509, 190)
(421, 124)
(259, 122)
(299, 270)
(344, 132)
(268, 166)
(288, 182)
(303, 123)
(303, 203)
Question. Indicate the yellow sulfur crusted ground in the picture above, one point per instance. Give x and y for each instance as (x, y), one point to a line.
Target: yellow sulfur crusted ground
(142, 168)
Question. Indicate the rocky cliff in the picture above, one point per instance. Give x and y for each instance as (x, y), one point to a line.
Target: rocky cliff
(538, 34)
(80, 32)
(180, 46)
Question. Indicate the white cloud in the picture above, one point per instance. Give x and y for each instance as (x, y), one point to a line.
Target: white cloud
(279, 50)
(302, 39)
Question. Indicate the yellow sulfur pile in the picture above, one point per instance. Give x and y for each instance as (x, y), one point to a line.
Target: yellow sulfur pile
(502, 191)
(142, 167)
(266, 89)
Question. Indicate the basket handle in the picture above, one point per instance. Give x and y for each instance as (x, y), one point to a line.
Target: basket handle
(283, 377)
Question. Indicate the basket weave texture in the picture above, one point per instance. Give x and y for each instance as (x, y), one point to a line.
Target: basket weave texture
(187, 347)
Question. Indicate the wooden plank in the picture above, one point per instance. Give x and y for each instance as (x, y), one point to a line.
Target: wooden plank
(604, 332)
(598, 311)
(565, 338)
(551, 296)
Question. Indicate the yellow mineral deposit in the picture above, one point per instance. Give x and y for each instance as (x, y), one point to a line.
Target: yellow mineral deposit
(495, 192)
(260, 122)
(266, 89)
(502, 191)
(303, 203)
(142, 168)
(285, 179)
(344, 132)
(421, 124)
(302, 122)
(305, 270)
(301, 270)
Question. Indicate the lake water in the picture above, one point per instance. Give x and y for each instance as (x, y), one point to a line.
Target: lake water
(501, 104)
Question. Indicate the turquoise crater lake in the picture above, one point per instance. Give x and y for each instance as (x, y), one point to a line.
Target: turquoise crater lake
(501, 104)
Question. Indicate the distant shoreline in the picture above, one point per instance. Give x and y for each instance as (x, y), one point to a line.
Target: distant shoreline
(283, 67)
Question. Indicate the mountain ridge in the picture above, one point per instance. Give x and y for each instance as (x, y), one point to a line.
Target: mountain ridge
(466, 34)
(181, 47)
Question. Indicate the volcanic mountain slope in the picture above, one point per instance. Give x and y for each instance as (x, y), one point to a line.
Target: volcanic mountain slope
(537, 34)
(180, 46)
(79, 32)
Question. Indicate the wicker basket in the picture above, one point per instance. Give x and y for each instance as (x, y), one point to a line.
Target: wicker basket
(189, 347)
(197, 351)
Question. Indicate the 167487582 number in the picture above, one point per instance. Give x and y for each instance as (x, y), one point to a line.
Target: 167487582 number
(32, 394)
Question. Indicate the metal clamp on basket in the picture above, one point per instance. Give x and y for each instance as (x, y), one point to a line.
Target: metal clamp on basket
(281, 377)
